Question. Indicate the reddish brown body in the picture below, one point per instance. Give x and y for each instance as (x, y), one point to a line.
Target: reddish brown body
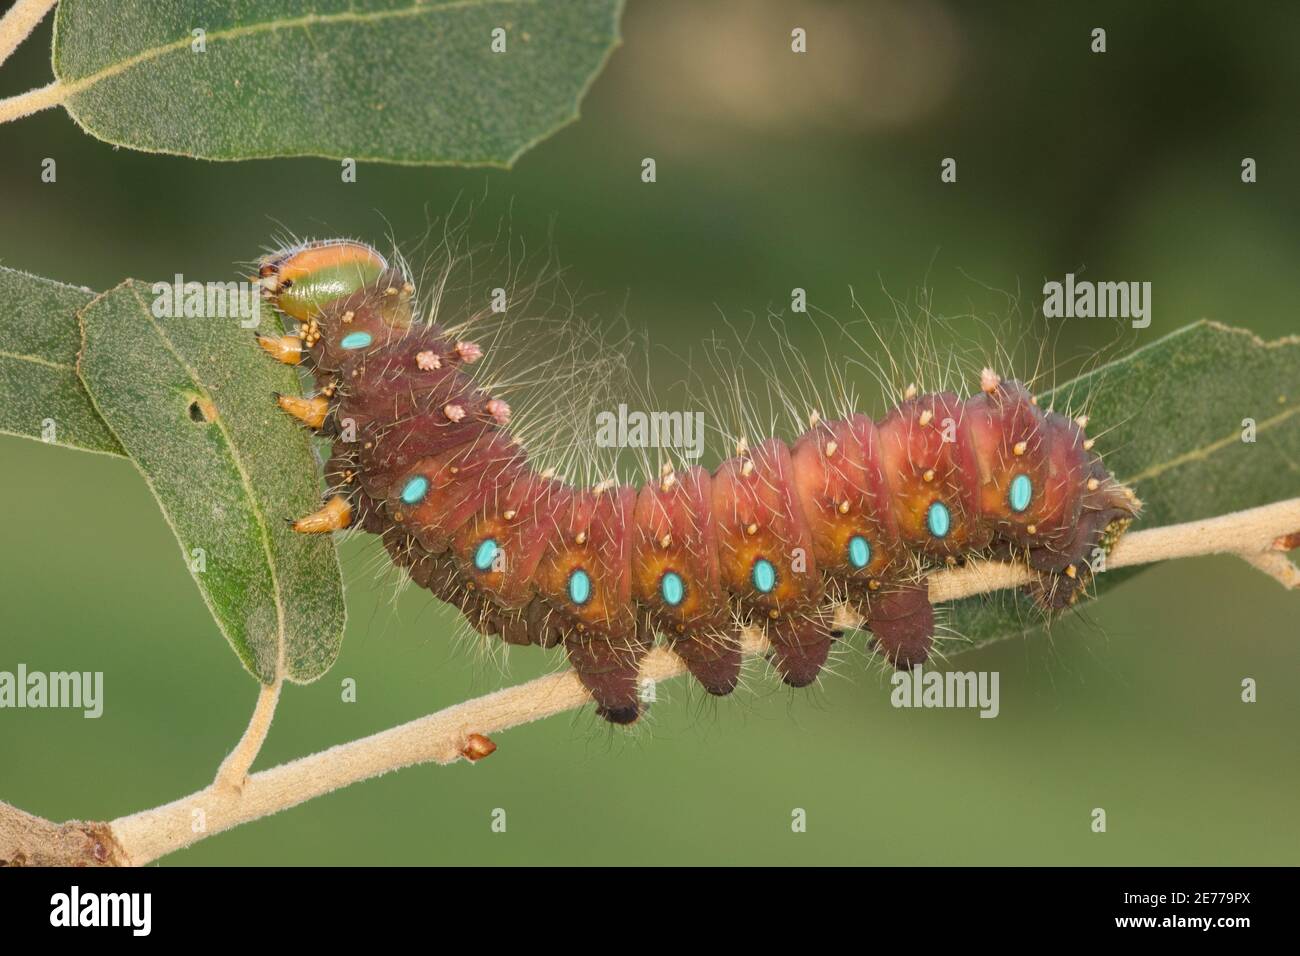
(853, 511)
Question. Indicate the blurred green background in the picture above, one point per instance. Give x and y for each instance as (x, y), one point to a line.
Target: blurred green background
(774, 171)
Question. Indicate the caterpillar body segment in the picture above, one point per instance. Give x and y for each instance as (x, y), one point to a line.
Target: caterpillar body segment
(847, 500)
(852, 511)
(765, 553)
(676, 579)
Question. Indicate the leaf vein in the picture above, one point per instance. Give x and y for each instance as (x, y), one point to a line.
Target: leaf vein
(1205, 451)
(37, 360)
(68, 90)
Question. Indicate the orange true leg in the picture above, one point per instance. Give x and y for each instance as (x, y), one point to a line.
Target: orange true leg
(282, 348)
(309, 411)
(334, 516)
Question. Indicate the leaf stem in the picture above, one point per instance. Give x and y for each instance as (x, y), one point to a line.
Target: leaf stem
(234, 769)
(1256, 535)
(33, 101)
(19, 22)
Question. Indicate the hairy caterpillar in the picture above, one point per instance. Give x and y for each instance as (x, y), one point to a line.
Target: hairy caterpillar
(852, 511)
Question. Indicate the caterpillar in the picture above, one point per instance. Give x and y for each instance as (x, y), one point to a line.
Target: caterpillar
(853, 511)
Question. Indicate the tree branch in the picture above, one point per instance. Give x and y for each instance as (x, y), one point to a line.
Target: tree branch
(26, 840)
(1259, 535)
(1252, 534)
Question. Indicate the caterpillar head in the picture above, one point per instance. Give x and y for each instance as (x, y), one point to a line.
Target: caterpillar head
(343, 293)
(300, 281)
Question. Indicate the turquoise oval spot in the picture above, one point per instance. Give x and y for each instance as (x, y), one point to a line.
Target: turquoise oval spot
(672, 588)
(938, 519)
(579, 587)
(415, 490)
(356, 340)
(859, 551)
(1022, 489)
(764, 575)
(486, 554)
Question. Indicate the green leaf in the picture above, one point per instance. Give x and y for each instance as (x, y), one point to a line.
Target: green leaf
(191, 400)
(40, 394)
(406, 81)
(1169, 419)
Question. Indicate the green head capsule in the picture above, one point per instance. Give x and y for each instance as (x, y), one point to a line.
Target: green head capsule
(302, 281)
